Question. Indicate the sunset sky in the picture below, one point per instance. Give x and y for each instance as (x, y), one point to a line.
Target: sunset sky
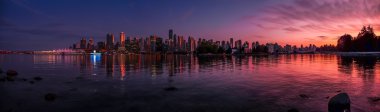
(53, 24)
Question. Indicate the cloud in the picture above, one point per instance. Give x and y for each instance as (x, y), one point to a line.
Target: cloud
(313, 18)
(291, 29)
(323, 37)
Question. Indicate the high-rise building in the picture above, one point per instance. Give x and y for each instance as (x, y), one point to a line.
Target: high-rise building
(153, 44)
(181, 44)
(171, 41)
(191, 44)
(110, 41)
(170, 34)
(122, 39)
(238, 44)
(224, 44)
(90, 44)
(232, 42)
(83, 43)
(174, 42)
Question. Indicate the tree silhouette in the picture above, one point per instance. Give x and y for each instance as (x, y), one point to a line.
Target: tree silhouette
(366, 41)
(345, 43)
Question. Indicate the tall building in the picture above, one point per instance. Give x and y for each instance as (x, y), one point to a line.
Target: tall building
(181, 43)
(174, 42)
(171, 41)
(122, 39)
(90, 44)
(191, 44)
(153, 43)
(232, 42)
(110, 41)
(83, 43)
(238, 44)
(170, 34)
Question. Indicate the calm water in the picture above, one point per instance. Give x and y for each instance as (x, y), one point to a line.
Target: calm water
(219, 83)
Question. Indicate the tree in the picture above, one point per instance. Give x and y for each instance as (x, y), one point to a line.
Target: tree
(366, 40)
(345, 43)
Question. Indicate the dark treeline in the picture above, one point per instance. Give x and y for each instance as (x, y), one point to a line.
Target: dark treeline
(366, 41)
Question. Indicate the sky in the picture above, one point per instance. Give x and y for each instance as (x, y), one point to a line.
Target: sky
(55, 24)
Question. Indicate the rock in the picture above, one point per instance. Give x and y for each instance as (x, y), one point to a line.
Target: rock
(293, 110)
(340, 103)
(304, 96)
(171, 88)
(50, 97)
(374, 99)
(1, 71)
(37, 78)
(12, 73)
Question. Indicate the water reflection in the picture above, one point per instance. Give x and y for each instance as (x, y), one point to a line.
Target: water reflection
(170, 65)
(365, 65)
(266, 79)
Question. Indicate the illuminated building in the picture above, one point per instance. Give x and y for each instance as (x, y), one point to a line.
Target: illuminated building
(122, 39)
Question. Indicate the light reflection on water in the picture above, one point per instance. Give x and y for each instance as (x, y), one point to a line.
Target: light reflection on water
(207, 83)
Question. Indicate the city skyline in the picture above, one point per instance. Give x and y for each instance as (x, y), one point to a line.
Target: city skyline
(54, 25)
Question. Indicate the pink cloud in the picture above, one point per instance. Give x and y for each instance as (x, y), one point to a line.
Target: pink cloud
(311, 18)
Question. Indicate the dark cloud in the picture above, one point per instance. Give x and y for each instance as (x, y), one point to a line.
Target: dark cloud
(291, 29)
(323, 37)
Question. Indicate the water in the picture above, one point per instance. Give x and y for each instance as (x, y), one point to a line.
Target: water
(213, 83)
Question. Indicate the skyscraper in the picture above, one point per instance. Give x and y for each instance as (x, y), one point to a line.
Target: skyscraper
(174, 42)
(90, 44)
(170, 34)
(232, 42)
(170, 42)
(110, 41)
(83, 43)
(122, 39)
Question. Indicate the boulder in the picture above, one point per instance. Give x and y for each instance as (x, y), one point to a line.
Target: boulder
(340, 103)
(11, 73)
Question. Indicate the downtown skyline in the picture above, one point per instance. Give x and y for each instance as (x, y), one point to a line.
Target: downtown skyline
(55, 24)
